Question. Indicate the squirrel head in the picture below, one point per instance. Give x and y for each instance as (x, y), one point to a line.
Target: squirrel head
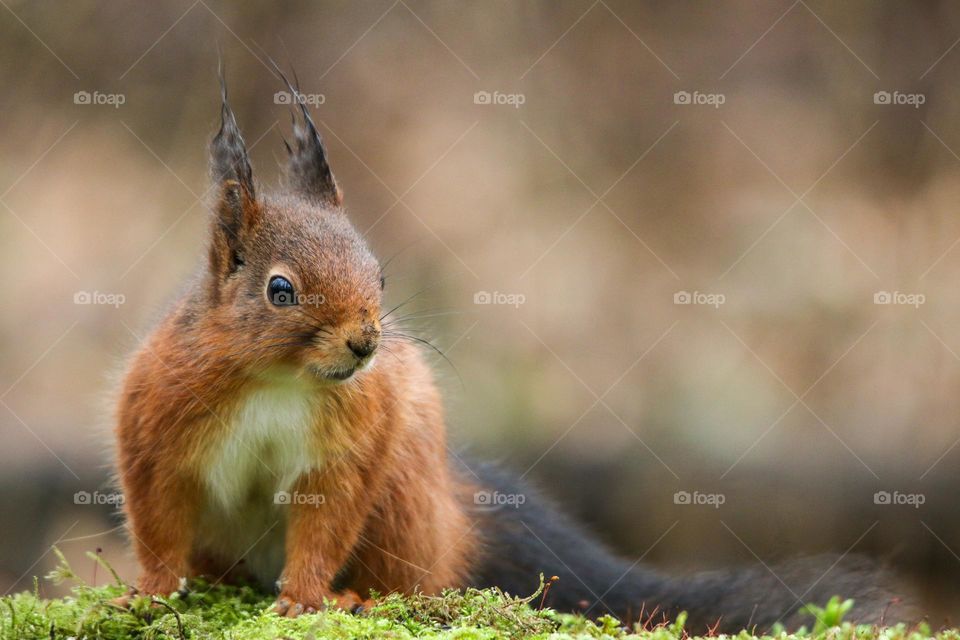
(290, 281)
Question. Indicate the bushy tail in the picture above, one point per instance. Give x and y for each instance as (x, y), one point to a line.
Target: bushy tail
(527, 537)
(763, 595)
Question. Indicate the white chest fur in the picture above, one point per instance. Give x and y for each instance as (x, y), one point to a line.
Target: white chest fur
(266, 444)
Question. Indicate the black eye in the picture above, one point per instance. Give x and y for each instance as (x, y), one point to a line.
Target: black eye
(383, 282)
(280, 292)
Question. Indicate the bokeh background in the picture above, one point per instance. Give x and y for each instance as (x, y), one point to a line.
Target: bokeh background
(587, 193)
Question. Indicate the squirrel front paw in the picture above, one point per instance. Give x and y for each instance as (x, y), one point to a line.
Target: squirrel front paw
(291, 606)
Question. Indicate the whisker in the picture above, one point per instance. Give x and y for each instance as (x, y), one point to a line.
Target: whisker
(402, 328)
(423, 314)
(435, 285)
(407, 301)
(397, 254)
(391, 352)
(403, 336)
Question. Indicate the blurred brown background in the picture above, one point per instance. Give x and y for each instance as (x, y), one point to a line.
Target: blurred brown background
(589, 192)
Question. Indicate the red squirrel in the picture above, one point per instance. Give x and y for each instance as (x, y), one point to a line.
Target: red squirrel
(274, 417)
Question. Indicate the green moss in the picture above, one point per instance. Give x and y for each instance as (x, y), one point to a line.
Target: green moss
(240, 613)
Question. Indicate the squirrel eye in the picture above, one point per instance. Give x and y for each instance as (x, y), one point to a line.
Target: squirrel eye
(383, 282)
(280, 292)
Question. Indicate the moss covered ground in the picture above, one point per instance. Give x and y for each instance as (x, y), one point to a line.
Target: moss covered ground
(241, 613)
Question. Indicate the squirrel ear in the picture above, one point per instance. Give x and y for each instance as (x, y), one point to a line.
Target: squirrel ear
(228, 153)
(236, 209)
(308, 172)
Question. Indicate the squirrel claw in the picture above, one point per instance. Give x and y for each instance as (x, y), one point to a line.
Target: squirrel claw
(282, 605)
(289, 607)
(352, 602)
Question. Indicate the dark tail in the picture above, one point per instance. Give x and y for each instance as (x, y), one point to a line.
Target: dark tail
(524, 537)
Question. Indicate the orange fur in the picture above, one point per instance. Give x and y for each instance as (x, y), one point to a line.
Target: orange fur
(228, 374)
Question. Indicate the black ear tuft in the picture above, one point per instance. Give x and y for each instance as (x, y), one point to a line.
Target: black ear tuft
(228, 153)
(308, 172)
(236, 212)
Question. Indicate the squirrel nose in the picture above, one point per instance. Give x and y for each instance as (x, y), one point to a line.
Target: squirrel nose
(362, 348)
